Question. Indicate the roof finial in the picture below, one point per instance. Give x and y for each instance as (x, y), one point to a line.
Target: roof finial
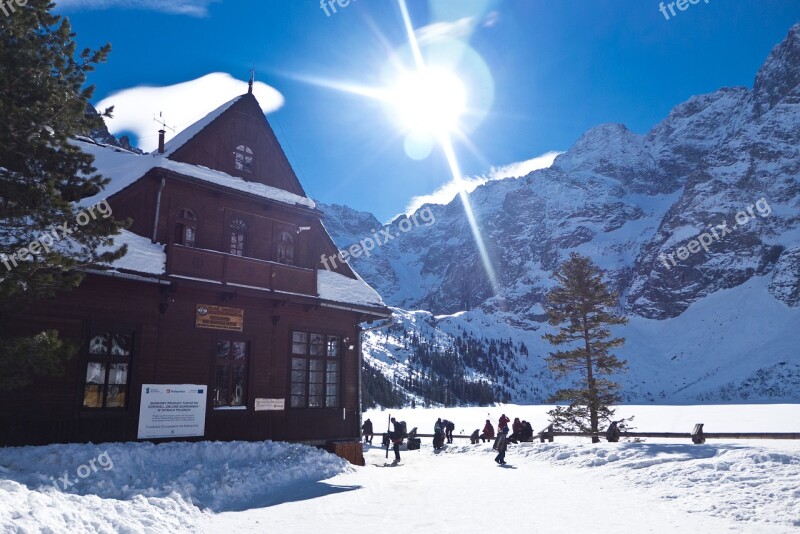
(252, 79)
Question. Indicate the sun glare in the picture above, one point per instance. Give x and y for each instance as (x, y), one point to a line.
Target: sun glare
(429, 101)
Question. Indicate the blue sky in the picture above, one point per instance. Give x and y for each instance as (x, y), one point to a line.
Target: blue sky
(555, 68)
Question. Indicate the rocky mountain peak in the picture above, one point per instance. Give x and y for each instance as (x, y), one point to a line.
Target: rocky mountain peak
(780, 73)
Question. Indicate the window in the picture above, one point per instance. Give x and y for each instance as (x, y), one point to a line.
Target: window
(315, 370)
(108, 370)
(286, 248)
(185, 228)
(230, 375)
(243, 159)
(238, 231)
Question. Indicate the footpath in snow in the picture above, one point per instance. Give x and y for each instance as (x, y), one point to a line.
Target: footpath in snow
(566, 486)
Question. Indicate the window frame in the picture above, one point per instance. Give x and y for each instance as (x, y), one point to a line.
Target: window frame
(281, 244)
(241, 231)
(107, 359)
(184, 223)
(244, 159)
(216, 362)
(327, 380)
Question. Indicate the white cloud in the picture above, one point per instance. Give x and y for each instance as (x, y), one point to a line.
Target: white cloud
(448, 191)
(182, 104)
(194, 8)
(439, 31)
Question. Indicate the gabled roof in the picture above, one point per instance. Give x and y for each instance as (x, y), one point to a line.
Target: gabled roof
(187, 134)
(125, 168)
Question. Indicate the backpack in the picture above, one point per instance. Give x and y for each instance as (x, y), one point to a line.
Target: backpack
(403, 429)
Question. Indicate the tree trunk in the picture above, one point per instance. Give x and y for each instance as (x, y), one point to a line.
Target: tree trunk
(593, 401)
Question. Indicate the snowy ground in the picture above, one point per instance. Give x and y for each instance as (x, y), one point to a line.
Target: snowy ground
(566, 486)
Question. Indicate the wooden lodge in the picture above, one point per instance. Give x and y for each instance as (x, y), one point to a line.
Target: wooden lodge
(220, 323)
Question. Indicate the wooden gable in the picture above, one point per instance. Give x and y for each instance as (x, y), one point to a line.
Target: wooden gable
(241, 142)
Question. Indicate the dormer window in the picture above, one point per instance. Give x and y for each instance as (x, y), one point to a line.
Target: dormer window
(243, 159)
(286, 248)
(185, 227)
(238, 232)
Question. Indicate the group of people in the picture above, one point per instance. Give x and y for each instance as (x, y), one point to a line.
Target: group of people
(443, 433)
(520, 431)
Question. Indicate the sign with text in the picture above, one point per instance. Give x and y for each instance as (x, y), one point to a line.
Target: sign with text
(172, 411)
(263, 405)
(219, 318)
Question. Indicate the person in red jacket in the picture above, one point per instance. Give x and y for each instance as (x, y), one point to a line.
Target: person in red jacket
(503, 423)
(488, 432)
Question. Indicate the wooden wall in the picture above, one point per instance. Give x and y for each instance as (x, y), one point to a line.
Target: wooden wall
(168, 348)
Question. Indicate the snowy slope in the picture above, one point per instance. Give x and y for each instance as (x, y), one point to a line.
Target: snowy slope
(719, 324)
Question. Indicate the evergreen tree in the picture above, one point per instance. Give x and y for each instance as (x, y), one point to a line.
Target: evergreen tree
(581, 307)
(43, 100)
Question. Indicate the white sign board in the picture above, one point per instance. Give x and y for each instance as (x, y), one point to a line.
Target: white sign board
(172, 411)
(269, 404)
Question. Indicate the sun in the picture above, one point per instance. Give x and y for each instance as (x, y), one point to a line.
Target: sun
(428, 101)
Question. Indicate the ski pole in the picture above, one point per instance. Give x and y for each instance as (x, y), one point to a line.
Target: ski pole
(389, 422)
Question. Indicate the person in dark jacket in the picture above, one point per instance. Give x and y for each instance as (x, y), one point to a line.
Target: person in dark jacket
(438, 435)
(527, 431)
(397, 438)
(474, 437)
(500, 446)
(488, 432)
(516, 431)
(448, 427)
(366, 431)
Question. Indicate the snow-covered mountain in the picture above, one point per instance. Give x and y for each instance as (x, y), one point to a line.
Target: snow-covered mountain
(696, 222)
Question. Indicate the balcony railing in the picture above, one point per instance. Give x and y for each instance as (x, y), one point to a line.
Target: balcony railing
(240, 271)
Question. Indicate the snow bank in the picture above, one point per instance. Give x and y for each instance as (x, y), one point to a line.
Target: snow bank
(139, 487)
(744, 482)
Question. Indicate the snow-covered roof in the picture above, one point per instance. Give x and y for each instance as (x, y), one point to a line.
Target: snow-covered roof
(125, 168)
(339, 288)
(184, 136)
(143, 255)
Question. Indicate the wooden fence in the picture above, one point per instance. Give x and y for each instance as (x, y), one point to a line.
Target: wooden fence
(697, 435)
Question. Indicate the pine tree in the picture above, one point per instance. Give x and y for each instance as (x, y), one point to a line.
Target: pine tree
(581, 307)
(42, 175)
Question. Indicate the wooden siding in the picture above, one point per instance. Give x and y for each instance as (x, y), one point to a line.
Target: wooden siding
(168, 348)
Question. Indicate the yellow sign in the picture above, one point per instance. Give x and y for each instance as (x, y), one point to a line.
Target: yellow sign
(219, 318)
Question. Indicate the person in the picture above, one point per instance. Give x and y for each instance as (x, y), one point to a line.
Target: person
(366, 431)
(516, 428)
(397, 438)
(474, 437)
(527, 431)
(503, 423)
(488, 432)
(438, 435)
(449, 426)
(500, 446)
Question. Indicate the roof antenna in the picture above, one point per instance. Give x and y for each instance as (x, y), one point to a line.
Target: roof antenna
(252, 79)
(162, 131)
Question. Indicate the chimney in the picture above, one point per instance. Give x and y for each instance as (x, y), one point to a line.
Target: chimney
(161, 133)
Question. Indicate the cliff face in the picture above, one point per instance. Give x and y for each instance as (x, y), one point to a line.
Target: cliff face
(705, 204)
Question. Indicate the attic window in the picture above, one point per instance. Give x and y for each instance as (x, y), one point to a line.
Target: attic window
(243, 159)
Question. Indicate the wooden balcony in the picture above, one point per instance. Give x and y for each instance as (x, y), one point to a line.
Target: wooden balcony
(240, 271)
